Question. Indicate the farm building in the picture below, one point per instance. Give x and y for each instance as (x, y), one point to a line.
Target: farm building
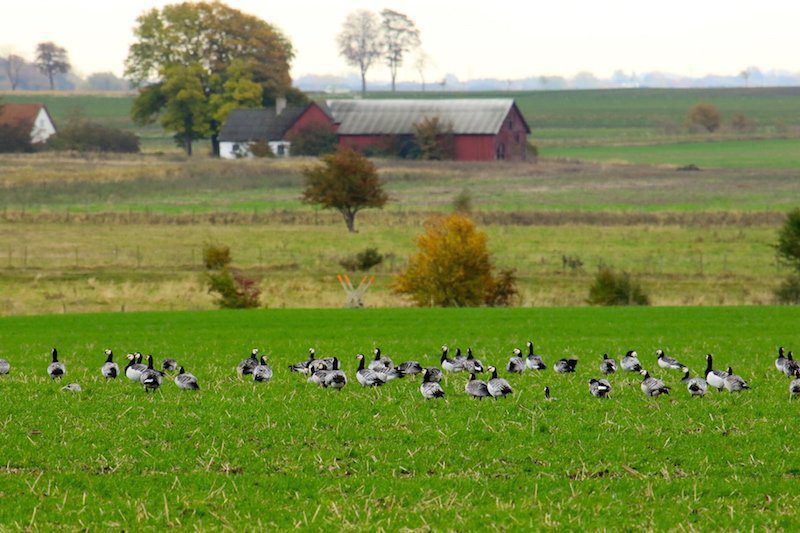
(483, 129)
(34, 117)
(244, 127)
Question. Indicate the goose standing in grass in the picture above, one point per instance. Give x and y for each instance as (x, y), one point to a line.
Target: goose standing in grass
(380, 363)
(652, 386)
(430, 389)
(449, 365)
(608, 365)
(695, 386)
(325, 363)
(246, 367)
(516, 364)
(303, 365)
(56, 370)
(630, 362)
(547, 394)
(5, 367)
(390, 374)
(334, 378)
(476, 388)
(564, 366)
(169, 365)
(780, 362)
(110, 369)
(366, 376)
(498, 387)
(72, 387)
(151, 378)
(533, 361)
(794, 385)
(435, 374)
(263, 372)
(186, 381)
(665, 361)
(790, 365)
(599, 388)
(134, 368)
(715, 378)
(471, 364)
(410, 368)
(734, 383)
(459, 358)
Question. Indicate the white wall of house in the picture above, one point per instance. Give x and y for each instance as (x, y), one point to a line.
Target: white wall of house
(237, 150)
(43, 127)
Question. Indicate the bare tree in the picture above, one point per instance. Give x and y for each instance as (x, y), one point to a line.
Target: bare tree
(400, 35)
(360, 42)
(51, 59)
(421, 63)
(13, 67)
(745, 75)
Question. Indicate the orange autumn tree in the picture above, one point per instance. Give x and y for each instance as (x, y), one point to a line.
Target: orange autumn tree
(453, 267)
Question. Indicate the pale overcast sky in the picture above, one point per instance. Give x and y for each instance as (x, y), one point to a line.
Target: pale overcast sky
(496, 38)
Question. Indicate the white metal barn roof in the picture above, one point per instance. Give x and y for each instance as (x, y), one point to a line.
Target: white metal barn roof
(468, 116)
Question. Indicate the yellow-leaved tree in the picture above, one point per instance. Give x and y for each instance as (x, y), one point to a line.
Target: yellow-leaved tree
(453, 267)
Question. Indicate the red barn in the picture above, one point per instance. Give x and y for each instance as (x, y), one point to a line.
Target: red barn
(484, 129)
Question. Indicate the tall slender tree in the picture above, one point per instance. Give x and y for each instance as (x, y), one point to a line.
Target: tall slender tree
(14, 65)
(52, 59)
(400, 36)
(360, 42)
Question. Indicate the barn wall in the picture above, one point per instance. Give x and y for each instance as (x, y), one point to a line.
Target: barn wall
(312, 115)
(467, 147)
(511, 140)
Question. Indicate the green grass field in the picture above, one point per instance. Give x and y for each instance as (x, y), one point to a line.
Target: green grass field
(288, 454)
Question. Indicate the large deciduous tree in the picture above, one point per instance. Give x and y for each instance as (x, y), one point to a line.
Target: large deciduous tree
(400, 36)
(346, 181)
(51, 59)
(13, 66)
(360, 42)
(213, 37)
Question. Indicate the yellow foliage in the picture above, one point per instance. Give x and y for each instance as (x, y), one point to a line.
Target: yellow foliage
(452, 267)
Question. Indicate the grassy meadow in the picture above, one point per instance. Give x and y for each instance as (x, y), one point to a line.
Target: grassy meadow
(289, 454)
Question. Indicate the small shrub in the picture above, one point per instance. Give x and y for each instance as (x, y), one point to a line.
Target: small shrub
(503, 290)
(789, 291)
(611, 288)
(81, 135)
(216, 256)
(788, 248)
(314, 139)
(704, 116)
(362, 261)
(532, 152)
(570, 262)
(15, 138)
(462, 203)
(434, 139)
(234, 289)
(742, 124)
(261, 148)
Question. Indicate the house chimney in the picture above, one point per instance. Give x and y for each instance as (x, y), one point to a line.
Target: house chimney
(280, 105)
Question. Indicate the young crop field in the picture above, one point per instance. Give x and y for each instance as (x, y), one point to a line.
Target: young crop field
(290, 454)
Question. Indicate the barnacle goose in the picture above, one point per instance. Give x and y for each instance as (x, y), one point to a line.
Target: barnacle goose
(476, 388)
(5, 367)
(303, 365)
(631, 362)
(151, 378)
(599, 388)
(430, 389)
(497, 387)
(134, 368)
(695, 386)
(547, 394)
(533, 361)
(381, 363)
(246, 367)
(665, 361)
(652, 386)
(794, 385)
(563, 366)
(55, 369)
(365, 376)
(471, 364)
(263, 372)
(169, 365)
(72, 387)
(790, 365)
(516, 364)
(435, 374)
(185, 380)
(608, 365)
(410, 368)
(715, 378)
(335, 378)
(450, 365)
(780, 362)
(110, 369)
(734, 383)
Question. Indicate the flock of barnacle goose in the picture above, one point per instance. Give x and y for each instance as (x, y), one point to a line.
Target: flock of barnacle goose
(326, 373)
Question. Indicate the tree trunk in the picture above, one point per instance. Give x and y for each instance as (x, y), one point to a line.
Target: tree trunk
(215, 145)
(188, 145)
(349, 219)
(363, 83)
(50, 77)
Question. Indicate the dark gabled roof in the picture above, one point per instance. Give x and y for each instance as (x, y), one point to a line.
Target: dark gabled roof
(468, 116)
(244, 125)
